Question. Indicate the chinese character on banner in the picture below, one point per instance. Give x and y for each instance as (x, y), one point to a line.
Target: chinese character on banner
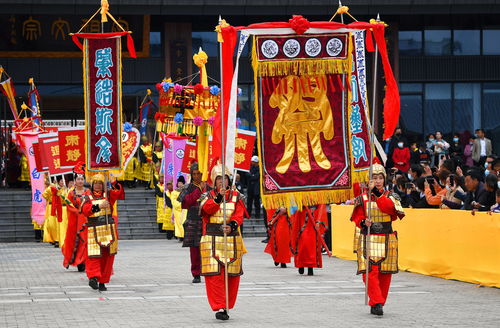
(243, 149)
(71, 146)
(102, 61)
(190, 156)
(51, 156)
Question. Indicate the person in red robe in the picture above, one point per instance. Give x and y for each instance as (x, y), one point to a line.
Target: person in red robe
(229, 249)
(75, 244)
(308, 227)
(382, 246)
(102, 236)
(401, 157)
(278, 246)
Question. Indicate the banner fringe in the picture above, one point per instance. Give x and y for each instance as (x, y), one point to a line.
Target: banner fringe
(301, 67)
(306, 198)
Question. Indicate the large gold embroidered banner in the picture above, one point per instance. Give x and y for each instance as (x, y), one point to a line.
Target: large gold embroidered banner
(313, 138)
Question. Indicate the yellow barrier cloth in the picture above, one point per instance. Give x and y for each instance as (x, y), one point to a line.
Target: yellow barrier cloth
(450, 244)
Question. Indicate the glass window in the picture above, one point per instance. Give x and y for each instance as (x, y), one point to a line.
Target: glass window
(410, 43)
(437, 42)
(207, 41)
(411, 113)
(410, 87)
(467, 106)
(437, 108)
(491, 105)
(466, 42)
(491, 44)
(155, 49)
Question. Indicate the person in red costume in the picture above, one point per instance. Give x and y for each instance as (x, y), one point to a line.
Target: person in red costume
(102, 237)
(308, 227)
(382, 246)
(75, 244)
(278, 246)
(401, 157)
(229, 250)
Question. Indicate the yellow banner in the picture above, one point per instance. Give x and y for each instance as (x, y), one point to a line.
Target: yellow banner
(450, 244)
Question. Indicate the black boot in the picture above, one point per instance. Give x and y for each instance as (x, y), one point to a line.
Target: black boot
(93, 283)
(160, 226)
(102, 287)
(196, 280)
(56, 244)
(170, 234)
(283, 265)
(81, 267)
(378, 309)
(276, 263)
(301, 270)
(222, 315)
(310, 272)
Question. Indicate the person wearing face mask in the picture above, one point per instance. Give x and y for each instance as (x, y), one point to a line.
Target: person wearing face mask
(468, 153)
(396, 138)
(488, 168)
(456, 150)
(440, 148)
(401, 157)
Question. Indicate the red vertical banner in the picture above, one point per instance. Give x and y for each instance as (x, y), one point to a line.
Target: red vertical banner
(102, 90)
(190, 156)
(71, 146)
(38, 158)
(49, 147)
(243, 149)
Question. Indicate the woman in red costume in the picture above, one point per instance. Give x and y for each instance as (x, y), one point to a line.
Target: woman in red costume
(213, 229)
(278, 245)
(382, 245)
(308, 227)
(75, 244)
(102, 236)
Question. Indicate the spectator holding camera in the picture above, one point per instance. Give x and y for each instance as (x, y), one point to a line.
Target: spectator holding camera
(453, 190)
(433, 190)
(416, 195)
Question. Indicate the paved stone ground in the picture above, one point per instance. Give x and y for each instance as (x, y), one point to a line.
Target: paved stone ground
(152, 288)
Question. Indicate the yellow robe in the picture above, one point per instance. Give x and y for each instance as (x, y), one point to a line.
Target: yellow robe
(179, 214)
(63, 225)
(167, 222)
(25, 169)
(50, 225)
(145, 171)
(131, 169)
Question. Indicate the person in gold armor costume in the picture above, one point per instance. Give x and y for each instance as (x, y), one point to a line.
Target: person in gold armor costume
(215, 251)
(383, 243)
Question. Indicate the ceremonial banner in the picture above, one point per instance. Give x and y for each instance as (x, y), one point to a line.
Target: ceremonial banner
(8, 90)
(71, 146)
(173, 155)
(144, 116)
(103, 107)
(38, 158)
(311, 106)
(190, 156)
(49, 147)
(33, 100)
(37, 179)
(243, 149)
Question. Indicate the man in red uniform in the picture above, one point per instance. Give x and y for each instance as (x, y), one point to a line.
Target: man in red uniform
(382, 246)
(308, 227)
(75, 244)
(102, 240)
(215, 249)
(278, 245)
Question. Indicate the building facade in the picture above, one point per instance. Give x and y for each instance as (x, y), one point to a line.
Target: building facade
(445, 53)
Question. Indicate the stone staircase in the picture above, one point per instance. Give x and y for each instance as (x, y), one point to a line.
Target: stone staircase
(15, 220)
(254, 228)
(137, 215)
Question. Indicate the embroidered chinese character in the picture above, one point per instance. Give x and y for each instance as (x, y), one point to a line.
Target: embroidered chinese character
(103, 120)
(104, 92)
(37, 196)
(103, 61)
(73, 155)
(239, 158)
(358, 149)
(241, 143)
(35, 174)
(72, 140)
(54, 150)
(57, 163)
(104, 153)
(356, 121)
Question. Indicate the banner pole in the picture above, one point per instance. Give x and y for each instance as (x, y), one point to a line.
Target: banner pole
(223, 155)
(370, 172)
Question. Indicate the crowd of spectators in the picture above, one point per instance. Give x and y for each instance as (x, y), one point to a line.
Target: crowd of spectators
(444, 174)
